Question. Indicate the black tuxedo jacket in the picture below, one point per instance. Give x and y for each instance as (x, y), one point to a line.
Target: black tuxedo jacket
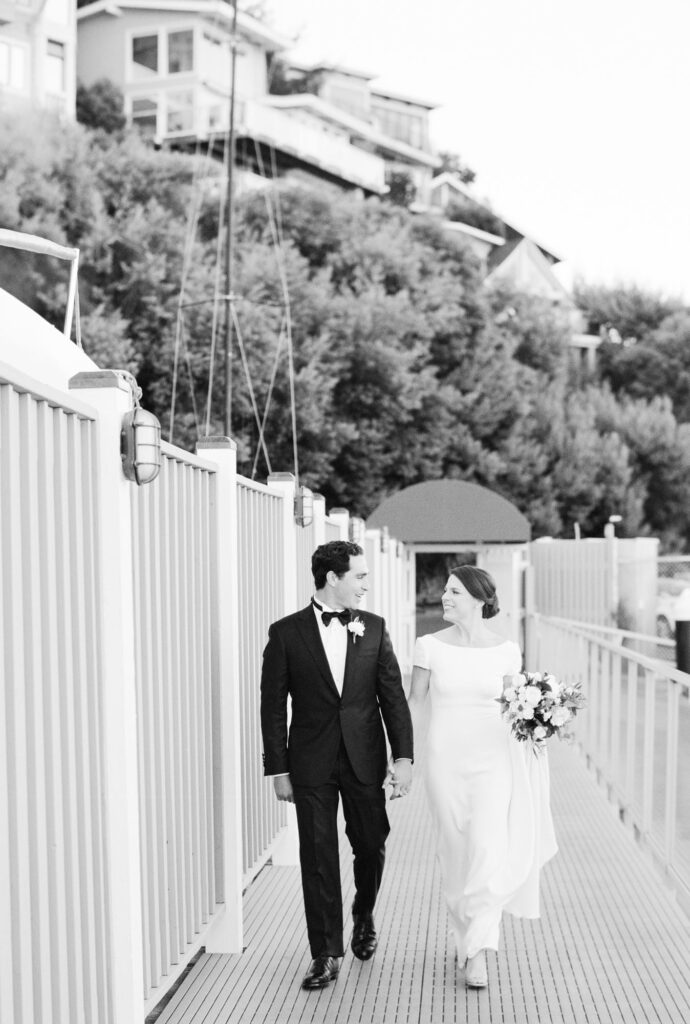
(295, 664)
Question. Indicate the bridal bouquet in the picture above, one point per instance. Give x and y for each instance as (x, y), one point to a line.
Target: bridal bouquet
(538, 706)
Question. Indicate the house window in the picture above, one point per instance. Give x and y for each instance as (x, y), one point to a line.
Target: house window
(145, 56)
(145, 114)
(180, 111)
(12, 66)
(55, 67)
(180, 52)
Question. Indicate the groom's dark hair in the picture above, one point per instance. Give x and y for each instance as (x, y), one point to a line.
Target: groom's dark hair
(332, 557)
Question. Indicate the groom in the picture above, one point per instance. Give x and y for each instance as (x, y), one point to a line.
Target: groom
(338, 666)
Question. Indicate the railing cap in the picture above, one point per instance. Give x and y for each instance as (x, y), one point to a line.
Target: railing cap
(98, 379)
(216, 441)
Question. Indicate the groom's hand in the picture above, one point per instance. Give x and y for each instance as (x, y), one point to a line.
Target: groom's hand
(283, 788)
(402, 777)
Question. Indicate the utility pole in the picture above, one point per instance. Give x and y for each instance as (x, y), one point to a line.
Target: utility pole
(229, 297)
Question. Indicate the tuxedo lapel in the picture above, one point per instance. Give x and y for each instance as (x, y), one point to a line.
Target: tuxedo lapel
(309, 631)
(354, 643)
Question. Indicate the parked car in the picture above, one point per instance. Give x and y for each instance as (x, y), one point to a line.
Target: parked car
(673, 596)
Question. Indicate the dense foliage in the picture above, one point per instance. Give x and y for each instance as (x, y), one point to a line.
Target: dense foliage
(406, 367)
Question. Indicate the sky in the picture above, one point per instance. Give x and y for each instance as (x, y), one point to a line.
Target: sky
(574, 114)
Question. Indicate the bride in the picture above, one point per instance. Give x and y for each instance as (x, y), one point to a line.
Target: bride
(488, 794)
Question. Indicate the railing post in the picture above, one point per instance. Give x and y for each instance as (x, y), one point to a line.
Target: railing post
(226, 934)
(286, 848)
(319, 520)
(530, 653)
(373, 552)
(111, 396)
(341, 518)
(285, 483)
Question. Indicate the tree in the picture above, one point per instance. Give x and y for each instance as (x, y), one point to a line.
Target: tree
(101, 105)
(464, 211)
(405, 367)
(451, 163)
(401, 188)
(540, 331)
(633, 311)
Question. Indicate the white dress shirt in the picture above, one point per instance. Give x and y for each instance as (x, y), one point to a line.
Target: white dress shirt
(334, 640)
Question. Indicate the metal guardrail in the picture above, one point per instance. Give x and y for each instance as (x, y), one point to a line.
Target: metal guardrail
(635, 732)
(44, 247)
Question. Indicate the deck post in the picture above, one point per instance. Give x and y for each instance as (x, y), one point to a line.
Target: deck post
(319, 520)
(286, 847)
(226, 933)
(111, 395)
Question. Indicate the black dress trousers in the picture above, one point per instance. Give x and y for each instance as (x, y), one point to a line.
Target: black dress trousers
(366, 826)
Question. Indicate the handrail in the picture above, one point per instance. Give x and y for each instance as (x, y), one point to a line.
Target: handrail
(633, 733)
(624, 634)
(641, 659)
(43, 246)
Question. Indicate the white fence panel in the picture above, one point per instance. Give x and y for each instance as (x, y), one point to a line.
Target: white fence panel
(174, 589)
(53, 844)
(261, 586)
(306, 545)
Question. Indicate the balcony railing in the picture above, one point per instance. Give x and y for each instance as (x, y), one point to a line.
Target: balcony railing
(333, 155)
(161, 112)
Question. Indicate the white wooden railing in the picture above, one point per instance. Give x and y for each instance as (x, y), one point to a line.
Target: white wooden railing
(173, 566)
(133, 808)
(55, 940)
(635, 731)
(260, 523)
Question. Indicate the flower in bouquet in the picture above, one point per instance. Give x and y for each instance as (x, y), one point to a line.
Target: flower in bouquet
(538, 706)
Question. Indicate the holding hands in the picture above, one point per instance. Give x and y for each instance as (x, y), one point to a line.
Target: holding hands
(399, 777)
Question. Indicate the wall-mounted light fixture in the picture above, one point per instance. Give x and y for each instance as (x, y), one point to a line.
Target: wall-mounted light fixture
(140, 445)
(304, 506)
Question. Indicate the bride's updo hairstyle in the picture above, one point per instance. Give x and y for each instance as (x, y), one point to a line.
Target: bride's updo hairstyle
(480, 585)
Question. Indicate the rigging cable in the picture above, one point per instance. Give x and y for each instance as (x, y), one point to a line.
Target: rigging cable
(216, 293)
(269, 395)
(282, 273)
(190, 236)
(243, 354)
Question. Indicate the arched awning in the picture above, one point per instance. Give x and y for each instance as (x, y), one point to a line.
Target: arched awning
(451, 512)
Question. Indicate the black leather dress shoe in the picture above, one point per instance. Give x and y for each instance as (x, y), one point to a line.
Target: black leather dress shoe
(364, 941)
(322, 970)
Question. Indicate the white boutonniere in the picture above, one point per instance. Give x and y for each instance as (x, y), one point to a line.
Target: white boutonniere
(356, 627)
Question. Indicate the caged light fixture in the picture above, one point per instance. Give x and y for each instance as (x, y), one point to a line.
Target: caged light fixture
(140, 441)
(304, 506)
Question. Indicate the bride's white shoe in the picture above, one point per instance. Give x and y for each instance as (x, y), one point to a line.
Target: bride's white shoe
(475, 971)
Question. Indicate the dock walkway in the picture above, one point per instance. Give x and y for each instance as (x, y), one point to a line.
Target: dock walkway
(612, 944)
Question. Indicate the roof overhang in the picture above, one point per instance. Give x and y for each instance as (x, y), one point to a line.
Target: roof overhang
(447, 178)
(218, 10)
(451, 515)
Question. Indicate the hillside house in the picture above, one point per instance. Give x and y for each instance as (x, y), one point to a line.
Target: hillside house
(38, 55)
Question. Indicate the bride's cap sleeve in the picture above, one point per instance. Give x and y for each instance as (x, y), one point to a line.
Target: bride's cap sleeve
(421, 653)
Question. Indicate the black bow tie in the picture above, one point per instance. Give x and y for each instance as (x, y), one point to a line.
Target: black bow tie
(327, 617)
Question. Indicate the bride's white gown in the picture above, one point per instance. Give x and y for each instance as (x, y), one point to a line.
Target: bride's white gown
(488, 794)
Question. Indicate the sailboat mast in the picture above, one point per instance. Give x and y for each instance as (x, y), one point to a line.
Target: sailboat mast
(229, 297)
